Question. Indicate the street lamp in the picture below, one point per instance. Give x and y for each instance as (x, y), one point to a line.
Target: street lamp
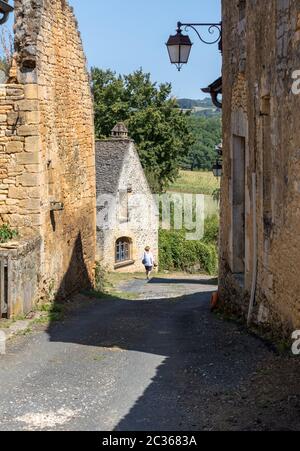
(5, 9)
(179, 46)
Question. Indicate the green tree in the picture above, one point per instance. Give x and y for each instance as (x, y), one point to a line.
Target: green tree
(207, 132)
(160, 130)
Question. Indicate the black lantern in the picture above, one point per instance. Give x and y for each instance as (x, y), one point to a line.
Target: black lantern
(179, 48)
(179, 45)
(5, 9)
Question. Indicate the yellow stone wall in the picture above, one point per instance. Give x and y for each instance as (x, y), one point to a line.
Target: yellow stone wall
(260, 54)
(47, 144)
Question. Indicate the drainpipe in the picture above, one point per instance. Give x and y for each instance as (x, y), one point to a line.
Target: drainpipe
(254, 273)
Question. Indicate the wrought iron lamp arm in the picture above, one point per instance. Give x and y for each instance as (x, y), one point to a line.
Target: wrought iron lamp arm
(212, 28)
(5, 9)
(3, 17)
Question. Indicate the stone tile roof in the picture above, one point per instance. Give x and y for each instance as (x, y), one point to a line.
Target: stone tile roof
(110, 155)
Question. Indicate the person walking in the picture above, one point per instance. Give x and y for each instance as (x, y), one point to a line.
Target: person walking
(148, 261)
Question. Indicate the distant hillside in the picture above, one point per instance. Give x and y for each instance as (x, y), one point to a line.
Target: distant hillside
(188, 104)
(203, 107)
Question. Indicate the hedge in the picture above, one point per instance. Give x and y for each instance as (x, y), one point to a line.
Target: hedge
(178, 254)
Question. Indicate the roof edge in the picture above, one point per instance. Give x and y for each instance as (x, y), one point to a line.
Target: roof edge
(129, 140)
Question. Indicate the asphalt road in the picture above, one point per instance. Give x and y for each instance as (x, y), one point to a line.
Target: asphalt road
(160, 363)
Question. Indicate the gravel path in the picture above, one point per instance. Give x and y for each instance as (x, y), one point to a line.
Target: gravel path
(163, 362)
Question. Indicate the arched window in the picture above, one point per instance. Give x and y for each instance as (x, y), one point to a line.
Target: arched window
(123, 249)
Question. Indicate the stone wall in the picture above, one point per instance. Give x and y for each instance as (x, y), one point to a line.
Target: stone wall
(19, 187)
(47, 172)
(261, 52)
(142, 227)
(22, 261)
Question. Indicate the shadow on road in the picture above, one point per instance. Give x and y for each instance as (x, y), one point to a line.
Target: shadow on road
(180, 367)
(181, 357)
(77, 277)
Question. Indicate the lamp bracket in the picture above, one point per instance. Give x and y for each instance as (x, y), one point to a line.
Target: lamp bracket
(212, 28)
(5, 9)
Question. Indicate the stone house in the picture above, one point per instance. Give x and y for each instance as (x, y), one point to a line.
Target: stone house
(127, 218)
(47, 160)
(260, 211)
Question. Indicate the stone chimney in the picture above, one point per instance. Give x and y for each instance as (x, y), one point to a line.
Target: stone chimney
(120, 131)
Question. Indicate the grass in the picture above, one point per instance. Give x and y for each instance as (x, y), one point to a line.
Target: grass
(107, 285)
(114, 279)
(7, 233)
(99, 358)
(52, 311)
(49, 317)
(6, 323)
(195, 182)
(24, 332)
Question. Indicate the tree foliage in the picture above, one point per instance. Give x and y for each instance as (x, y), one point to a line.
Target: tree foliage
(160, 130)
(207, 134)
(204, 107)
(178, 254)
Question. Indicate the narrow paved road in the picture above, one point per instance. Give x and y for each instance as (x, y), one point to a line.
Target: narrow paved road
(162, 362)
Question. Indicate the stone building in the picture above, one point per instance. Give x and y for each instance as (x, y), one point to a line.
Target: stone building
(260, 233)
(47, 159)
(126, 209)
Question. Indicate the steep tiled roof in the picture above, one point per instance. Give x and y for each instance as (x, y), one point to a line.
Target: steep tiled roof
(110, 154)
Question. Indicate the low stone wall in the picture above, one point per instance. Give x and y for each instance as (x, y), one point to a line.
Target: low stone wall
(232, 291)
(22, 260)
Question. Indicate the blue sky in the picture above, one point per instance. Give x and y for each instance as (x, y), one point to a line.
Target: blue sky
(124, 35)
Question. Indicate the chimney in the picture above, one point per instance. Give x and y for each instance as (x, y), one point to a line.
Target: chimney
(120, 131)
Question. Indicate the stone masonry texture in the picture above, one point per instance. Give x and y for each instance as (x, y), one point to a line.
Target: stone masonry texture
(23, 272)
(47, 155)
(261, 52)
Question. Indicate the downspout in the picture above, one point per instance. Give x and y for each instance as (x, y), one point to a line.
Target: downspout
(254, 273)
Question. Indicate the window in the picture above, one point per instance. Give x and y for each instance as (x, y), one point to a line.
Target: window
(123, 250)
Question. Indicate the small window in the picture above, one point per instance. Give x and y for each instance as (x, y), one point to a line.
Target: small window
(123, 250)
(242, 9)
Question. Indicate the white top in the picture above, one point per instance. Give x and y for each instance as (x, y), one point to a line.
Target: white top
(148, 259)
